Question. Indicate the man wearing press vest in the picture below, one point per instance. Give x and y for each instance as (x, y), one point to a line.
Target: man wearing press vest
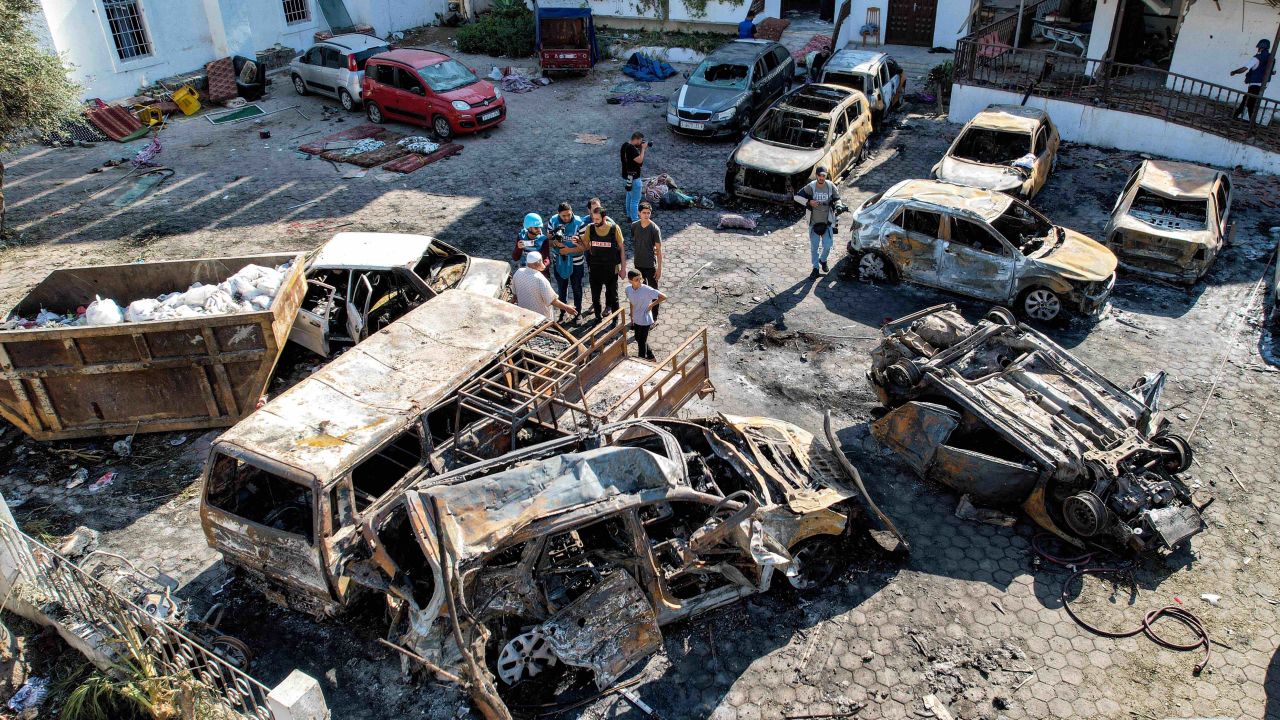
(1255, 73)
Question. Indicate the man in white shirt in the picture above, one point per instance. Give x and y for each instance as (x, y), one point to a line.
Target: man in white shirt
(533, 290)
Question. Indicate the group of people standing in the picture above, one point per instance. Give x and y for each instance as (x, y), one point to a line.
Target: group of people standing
(569, 248)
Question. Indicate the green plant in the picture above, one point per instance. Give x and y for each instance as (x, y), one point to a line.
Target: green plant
(133, 688)
(939, 78)
(36, 97)
(506, 30)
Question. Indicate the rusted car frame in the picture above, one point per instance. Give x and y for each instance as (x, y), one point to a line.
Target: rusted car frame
(460, 379)
(1008, 148)
(577, 551)
(979, 243)
(998, 411)
(1171, 220)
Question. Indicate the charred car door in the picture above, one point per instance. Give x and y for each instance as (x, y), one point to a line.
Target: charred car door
(975, 262)
(359, 300)
(311, 327)
(913, 241)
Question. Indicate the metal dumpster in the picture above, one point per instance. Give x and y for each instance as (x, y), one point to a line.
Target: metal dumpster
(200, 372)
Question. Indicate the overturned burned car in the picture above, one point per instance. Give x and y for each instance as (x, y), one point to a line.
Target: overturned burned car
(1000, 412)
(557, 564)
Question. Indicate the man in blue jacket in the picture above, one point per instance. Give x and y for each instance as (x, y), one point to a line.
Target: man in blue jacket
(1255, 73)
(747, 28)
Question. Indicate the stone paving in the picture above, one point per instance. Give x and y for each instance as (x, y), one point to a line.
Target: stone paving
(970, 615)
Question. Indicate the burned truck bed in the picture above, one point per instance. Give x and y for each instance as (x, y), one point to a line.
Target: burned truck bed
(998, 411)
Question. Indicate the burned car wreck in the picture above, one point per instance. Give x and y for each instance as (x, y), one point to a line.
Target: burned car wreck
(554, 567)
(999, 412)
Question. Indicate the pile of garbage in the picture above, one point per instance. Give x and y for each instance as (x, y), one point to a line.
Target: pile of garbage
(252, 289)
(363, 146)
(418, 144)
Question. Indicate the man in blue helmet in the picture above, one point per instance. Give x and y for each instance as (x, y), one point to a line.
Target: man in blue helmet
(529, 239)
(1255, 73)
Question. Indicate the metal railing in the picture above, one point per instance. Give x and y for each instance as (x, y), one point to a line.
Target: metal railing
(104, 618)
(688, 367)
(986, 58)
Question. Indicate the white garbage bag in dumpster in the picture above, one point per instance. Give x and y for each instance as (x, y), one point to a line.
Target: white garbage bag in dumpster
(103, 312)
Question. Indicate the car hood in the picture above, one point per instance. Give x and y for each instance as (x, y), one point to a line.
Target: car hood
(697, 97)
(485, 277)
(972, 174)
(472, 94)
(1190, 237)
(759, 155)
(1080, 258)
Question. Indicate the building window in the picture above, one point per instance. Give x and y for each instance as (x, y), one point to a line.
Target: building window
(296, 11)
(128, 32)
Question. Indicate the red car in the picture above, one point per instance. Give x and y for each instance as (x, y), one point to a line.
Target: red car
(430, 89)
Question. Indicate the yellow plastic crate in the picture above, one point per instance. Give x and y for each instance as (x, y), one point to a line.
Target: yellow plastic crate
(187, 99)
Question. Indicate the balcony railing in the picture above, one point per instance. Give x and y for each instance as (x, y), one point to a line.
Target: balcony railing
(985, 59)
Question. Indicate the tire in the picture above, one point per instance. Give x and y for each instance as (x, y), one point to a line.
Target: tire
(814, 560)
(374, 112)
(873, 266)
(348, 103)
(1180, 461)
(1001, 316)
(441, 127)
(299, 86)
(1040, 304)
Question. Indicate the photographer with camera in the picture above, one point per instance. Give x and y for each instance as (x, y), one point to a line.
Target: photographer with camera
(632, 154)
(568, 259)
(822, 199)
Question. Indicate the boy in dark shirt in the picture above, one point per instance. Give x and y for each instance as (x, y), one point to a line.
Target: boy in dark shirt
(646, 248)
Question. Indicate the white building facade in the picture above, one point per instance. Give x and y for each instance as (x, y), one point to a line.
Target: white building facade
(116, 46)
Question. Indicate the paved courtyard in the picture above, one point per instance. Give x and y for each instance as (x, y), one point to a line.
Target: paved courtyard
(970, 615)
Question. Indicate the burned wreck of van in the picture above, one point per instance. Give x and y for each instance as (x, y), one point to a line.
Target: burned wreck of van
(998, 411)
(554, 567)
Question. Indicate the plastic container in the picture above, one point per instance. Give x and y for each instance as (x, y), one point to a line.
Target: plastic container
(187, 100)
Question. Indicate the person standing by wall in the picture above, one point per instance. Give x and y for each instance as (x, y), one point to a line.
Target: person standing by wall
(632, 155)
(606, 260)
(568, 257)
(644, 301)
(646, 248)
(1255, 73)
(820, 196)
(747, 28)
(533, 290)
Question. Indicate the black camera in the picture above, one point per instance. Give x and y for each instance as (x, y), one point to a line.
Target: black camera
(840, 208)
(648, 143)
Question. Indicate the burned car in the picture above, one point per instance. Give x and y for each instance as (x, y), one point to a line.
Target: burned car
(1010, 148)
(815, 126)
(999, 412)
(360, 282)
(979, 243)
(568, 557)
(1171, 220)
(877, 75)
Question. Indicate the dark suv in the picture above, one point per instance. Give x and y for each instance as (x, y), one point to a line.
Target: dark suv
(730, 89)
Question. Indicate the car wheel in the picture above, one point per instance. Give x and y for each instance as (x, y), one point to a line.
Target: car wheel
(1180, 453)
(524, 657)
(299, 86)
(348, 102)
(374, 112)
(1041, 304)
(1001, 316)
(875, 267)
(440, 125)
(813, 562)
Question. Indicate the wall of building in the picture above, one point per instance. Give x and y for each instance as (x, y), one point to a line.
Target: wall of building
(1214, 42)
(949, 23)
(718, 12)
(1125, 131)
(388, 16)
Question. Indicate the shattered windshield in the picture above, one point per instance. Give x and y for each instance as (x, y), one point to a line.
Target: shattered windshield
(808, 132)
(1168, 213)
(446, 76)
(992, 147)
(853, 81)
(1024, 227)
(720, 75)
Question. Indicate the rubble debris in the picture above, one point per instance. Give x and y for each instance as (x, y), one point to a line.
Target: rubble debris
(1001, 413)
(966, 511)
(736, 221)
(771, 336)
(78, 478)
(418, 144)
(123, 448)
(81, 541)
(363, 146)
(30, 696)
(103, 482)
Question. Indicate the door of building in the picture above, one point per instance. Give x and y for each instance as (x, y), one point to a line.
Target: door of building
(910, 22)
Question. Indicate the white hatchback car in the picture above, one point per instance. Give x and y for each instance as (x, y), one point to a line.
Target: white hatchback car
(335, 67)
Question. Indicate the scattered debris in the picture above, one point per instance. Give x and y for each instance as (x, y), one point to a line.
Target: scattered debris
(30, 696)
(736, 221)
(78, 478)
(103, 482)
(363, 146)
(81, 541)
(123, 448)
(590, 138)
(1211, 598)
(418, 144)
(966, 510)
(935, 706)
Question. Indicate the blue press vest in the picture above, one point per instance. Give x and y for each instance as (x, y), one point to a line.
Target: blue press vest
(1255, 76)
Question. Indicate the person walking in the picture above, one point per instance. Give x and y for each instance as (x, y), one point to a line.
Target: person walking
(1255, 73)
(632, 155)
(646, 248)
(568, 257)
(606, 260)
(528, 239)
(533, 290)
(820, 197)
(644, 301)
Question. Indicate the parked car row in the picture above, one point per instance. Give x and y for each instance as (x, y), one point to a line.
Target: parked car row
(419, 87)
